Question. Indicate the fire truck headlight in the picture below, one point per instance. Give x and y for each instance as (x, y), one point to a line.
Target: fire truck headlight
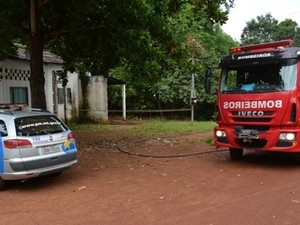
(220, 133)
(287, 136)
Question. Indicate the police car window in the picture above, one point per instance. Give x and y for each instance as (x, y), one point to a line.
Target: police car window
(41, 125)
(3, 129)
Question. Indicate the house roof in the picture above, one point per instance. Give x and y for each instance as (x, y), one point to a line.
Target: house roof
(48, 57)
(114, 81)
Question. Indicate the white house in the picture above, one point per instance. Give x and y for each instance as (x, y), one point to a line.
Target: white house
(15, 87)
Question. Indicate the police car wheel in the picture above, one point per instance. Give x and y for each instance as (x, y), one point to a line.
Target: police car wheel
(2, 184)
(55, 174)
(236, 153)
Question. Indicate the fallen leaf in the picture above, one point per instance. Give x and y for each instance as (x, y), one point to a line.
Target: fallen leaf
(295, 201)
(81, 188)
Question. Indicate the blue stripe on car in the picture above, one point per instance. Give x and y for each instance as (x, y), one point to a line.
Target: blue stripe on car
(69, 147)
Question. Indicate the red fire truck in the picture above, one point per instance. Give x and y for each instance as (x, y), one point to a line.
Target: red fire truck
(258, 101)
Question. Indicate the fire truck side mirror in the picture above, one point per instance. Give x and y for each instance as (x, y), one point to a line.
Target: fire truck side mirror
(208, 76)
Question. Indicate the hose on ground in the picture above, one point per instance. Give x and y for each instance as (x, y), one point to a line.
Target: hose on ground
(120, 149)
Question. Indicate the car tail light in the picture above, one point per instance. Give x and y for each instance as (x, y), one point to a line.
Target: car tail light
(17, 143)
(71, 136)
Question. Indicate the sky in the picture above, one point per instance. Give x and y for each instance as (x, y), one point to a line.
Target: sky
(245, 10)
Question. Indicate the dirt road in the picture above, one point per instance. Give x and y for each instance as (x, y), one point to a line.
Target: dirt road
(110, 187)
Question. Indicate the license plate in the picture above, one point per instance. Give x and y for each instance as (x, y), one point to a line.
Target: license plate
(248, 134)
(51, 149)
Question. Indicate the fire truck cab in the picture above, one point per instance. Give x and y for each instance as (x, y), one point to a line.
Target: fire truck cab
(258, 99)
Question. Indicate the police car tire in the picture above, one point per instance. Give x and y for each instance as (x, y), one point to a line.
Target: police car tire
(236, 153)
(2, 184)
(55, 174)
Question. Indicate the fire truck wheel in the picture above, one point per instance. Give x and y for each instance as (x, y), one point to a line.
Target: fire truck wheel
(236, 153)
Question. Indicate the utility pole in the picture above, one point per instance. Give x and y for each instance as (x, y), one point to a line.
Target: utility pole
(193, 99)
(32, 17)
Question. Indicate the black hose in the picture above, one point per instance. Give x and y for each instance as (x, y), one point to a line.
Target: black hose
(168, 156)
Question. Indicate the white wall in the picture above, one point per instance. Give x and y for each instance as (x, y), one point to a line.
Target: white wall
(15, 73)
(97, 97)
(49, 70)
(74, 85)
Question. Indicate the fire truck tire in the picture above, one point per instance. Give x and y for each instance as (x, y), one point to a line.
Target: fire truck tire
(236, 153)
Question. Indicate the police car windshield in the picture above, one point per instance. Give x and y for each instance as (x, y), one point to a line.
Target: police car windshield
(279, 76)
(39, 125)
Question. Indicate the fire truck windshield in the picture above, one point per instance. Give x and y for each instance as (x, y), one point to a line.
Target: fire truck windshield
(266, 77)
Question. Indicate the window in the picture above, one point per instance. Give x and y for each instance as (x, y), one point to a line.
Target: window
(3, 129)
(272, 77)
(69, 95)
(60, 95)
(39, 125)
(18, 95)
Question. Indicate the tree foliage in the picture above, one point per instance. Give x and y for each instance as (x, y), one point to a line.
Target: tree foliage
(265, 28)
(196, 39)
(147, 38)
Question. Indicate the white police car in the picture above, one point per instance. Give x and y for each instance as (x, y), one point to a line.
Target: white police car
(33, 143)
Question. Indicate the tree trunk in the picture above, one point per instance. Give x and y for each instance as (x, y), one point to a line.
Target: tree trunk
(37, 79)
(159, 105)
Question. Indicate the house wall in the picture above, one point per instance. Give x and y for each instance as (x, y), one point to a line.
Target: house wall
(52, 82)
(97, 97)
(13, 74)
(50, 71)
(74, 84)
(16, 73)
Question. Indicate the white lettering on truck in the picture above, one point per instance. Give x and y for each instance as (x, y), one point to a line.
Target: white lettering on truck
(267, 104)
(251, 113)
(254, 56)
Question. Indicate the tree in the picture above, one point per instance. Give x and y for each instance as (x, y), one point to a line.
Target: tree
(260, 30)
(266, 29)
(288, 29)
(165, 81)
(96, 35)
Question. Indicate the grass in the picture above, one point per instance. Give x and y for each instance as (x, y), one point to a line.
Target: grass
(89, 127)
(150, 128)
(166, 127)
